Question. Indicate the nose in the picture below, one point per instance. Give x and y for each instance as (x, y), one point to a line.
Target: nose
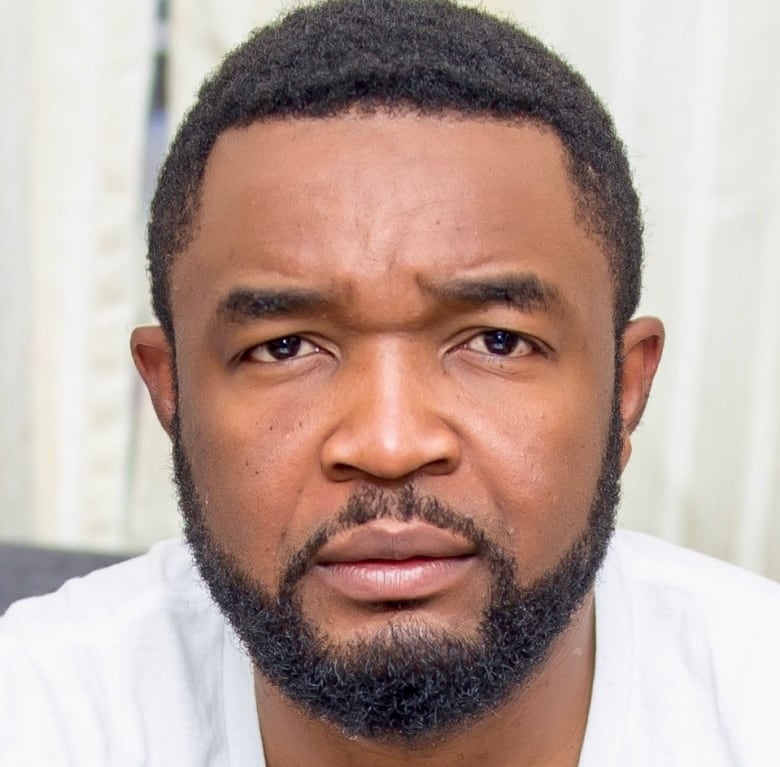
(390, 423)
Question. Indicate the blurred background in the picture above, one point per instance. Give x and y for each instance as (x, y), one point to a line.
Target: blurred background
(91, 91)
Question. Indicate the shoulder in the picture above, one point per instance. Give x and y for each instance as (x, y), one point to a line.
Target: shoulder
(696, 641)
(114, 612)
(107, 654)
(108, 592)
(157, 586)
(673, 575)
(701, 603)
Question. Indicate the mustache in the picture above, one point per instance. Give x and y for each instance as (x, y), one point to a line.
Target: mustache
(369, 504)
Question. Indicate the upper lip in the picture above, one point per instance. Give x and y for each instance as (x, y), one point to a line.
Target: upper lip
(393, 540)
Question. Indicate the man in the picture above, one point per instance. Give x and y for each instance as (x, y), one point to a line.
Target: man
(395, 254)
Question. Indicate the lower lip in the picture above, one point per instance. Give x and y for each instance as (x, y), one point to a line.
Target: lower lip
(385, 580)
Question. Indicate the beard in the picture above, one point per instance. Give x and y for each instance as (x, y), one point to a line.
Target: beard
(407, 682)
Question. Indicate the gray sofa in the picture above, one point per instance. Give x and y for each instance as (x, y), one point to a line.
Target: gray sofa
(27, 571)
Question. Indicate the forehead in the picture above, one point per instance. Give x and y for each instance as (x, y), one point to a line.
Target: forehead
(384, 201)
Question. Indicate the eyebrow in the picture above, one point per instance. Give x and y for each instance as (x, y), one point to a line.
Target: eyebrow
(246, 304)
(525, 292)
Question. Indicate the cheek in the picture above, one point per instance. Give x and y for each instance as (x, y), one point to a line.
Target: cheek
(540, 463)
(251, 467)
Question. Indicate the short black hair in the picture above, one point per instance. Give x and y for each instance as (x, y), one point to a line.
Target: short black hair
(429, 56)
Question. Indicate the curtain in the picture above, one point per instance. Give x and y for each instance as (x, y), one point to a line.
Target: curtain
(75, 81)
(691, 87)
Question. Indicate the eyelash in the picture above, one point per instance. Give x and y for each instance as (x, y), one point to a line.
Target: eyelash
(290, 346)
(507, 338)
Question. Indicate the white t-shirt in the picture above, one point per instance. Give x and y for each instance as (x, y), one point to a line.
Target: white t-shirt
(133, 665)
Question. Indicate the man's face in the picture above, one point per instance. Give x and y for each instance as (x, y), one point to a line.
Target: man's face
(383, 314)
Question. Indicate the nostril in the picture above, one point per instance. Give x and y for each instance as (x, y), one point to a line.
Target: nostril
(343, 468)
(440, 466)
(343, 471)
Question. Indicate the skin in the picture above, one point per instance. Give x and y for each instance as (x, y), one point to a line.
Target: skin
(396, 380)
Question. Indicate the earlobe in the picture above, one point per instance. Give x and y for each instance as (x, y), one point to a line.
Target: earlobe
(154, 359)
(643, 341)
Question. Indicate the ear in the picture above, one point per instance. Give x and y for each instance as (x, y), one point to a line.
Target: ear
(643, 342)
(154, 359)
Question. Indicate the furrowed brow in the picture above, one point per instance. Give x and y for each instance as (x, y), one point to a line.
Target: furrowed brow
(246, 304)
(525, 292)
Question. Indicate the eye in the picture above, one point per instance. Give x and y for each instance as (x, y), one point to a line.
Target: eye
(501, 343)
(281, 349)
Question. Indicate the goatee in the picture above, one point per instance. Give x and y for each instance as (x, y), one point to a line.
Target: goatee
(408, 681)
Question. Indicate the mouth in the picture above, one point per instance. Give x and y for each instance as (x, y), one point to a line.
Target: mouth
(394, 562)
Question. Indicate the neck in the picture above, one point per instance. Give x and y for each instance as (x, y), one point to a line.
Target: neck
(541, 724)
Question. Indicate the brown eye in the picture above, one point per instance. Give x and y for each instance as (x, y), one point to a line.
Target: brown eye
(284, 348)
(502, 343)
(280, 349)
